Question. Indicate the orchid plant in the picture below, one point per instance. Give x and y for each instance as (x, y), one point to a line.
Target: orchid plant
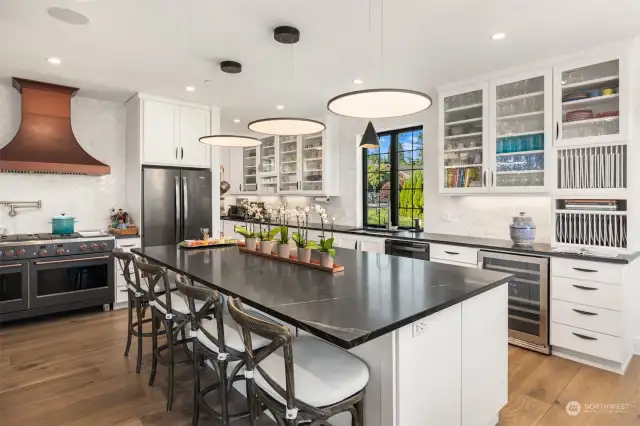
(251, 211)
(283, 216)
(301, 237)
(265, 218)
(326, 244)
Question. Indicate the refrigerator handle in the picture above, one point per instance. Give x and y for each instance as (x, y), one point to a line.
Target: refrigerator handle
(185, 215)
(178, 213)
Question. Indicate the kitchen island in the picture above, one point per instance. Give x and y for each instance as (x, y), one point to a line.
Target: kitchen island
(434, 336)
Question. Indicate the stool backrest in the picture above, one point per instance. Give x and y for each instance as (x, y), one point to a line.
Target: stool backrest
(279, 336)
(212, 300)
(157, 282)
(127, 262)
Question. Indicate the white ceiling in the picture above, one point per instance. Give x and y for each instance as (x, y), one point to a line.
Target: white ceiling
(161, 46)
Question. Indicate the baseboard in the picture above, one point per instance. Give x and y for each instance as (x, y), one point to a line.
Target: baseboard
(612, 366)
(636, 346)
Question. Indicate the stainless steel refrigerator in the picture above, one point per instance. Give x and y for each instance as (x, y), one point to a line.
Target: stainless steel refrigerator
(176, 204)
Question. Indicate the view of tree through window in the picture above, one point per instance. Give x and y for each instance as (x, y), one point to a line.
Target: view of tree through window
(394, 178)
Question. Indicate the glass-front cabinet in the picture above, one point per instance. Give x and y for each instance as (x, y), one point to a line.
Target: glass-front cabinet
(520, 132)
(289, 155)
(268, 169)
(250, 169)
(312, 162)
(590, 98)
(463, 140)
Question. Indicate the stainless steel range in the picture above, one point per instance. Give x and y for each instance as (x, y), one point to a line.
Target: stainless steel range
(46, 273)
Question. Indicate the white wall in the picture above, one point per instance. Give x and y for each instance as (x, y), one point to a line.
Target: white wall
(99, 126)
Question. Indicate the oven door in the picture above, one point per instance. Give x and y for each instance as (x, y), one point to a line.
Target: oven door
(14, 286)
(56, 281)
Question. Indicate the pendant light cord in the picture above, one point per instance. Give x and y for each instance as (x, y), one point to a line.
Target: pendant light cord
(381, 42)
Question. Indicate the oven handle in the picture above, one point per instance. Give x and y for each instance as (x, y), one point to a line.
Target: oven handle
(49, 262)
(15, 265)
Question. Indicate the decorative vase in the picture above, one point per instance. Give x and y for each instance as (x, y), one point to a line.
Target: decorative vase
(284, 250)
(522, 230)
(326, 260)
(250, 243)
(265, 247)
(304, 255)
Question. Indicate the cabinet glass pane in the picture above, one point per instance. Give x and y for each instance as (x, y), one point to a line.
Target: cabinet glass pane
(268, 171)
(463, 140)
(312, 161)
(249, 169)
(519, 145)
(590, 102)
(289, 163)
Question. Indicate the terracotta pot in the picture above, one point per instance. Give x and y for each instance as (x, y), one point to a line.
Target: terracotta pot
(265, 247)
(284, 250)
(250, 243)
(326, 260)
(304, 254)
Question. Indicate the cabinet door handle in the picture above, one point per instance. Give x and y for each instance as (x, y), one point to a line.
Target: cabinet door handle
(557, 130)
(181, 153)
(176, 153)
(240, 187)
(582, 336)
(484, 178)
(492, 179)
(581, 287)
(585, 270)
(585, 312)
(451, 252)
(298, 185)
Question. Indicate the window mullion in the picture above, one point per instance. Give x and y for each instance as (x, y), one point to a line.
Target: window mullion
(393, 199)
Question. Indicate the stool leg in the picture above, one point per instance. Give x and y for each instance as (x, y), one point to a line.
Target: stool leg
(168, 325)
(139, 315)
(185, 342)
(154, 345)
(130, 324)
(252, 401)
(222, 387)
(196, 385)
(358, 418)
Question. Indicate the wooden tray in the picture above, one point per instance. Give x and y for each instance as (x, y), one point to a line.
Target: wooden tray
(208, 246)
(124, 231)
(293, 259)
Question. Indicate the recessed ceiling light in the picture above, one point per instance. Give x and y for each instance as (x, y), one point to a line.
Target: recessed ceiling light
(68, 16)
(357, 81)
(280, 107)
(54, 61)
(236, 120)
(190, 89)
(498, 36)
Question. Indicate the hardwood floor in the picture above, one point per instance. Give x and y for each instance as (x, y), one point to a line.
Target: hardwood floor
(70, 370)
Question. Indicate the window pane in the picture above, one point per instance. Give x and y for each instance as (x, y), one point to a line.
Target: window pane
(373, 162)
(385, 142)
(384, 180)
(373, 216)
(404, 218)
(373, 199)
(405, 141)
(373, 181)
(404, 160)
(385, 162)
(417, 140)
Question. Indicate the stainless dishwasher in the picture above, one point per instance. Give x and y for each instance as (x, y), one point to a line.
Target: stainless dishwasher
(528, 297)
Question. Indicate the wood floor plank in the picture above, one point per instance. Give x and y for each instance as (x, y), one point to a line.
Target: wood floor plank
(548, 380)
(522, 410)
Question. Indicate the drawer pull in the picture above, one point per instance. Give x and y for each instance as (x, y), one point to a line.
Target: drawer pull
(582, 336)
(127, 245)
(584, 312)
(581, 287)
(585, 270)
(451, 252)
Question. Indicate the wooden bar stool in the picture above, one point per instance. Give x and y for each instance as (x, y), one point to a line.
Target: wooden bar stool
(300, 380)
(169, 310)
(218, 342)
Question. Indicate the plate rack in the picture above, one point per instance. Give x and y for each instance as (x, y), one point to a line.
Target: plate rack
(591, 222)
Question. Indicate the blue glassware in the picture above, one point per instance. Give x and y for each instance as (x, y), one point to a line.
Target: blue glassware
(540, 141)
(499, 146)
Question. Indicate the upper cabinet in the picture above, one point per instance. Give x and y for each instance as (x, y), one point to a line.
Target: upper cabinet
(289, 160)
(170, 130)
(464, 140)
(590, 101)
(268, 170)
(250, 163)
(312, 162)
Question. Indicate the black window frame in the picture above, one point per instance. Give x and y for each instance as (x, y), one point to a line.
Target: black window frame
(394, 169)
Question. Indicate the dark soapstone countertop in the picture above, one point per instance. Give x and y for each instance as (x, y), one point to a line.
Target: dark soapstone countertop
(375, 295)
(536, 249)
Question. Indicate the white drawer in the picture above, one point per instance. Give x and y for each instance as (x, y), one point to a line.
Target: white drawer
(120, 281)
(587, 317)
(451, 262)
(590, 293)
(588, 342)
(121, 295)
(587, 270)
(126, 244)
(455, 253)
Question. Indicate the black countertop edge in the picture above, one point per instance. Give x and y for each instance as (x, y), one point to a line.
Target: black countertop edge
(318, 331)
(536, 249)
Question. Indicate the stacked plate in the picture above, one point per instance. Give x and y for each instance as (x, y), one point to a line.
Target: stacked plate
(579, 114)
(608, 114)
(574, 96)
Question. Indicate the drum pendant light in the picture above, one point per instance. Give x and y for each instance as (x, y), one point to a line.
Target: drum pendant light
(287, 126)
(379, 103)
(230, 140)
(370, 138)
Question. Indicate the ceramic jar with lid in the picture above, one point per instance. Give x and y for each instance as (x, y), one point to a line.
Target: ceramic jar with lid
(522, 230)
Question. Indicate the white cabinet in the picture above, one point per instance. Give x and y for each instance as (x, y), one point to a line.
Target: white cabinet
(289, 164)
(170, 131)
(159, 132)
(121, 294)
(359, 242)
(591, 100)
(193, 124)
(234, 170)
(250, 163)
(375, 245)
(346, 241)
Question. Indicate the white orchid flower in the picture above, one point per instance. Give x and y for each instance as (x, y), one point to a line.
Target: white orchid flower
(333, 219)
(307, 209)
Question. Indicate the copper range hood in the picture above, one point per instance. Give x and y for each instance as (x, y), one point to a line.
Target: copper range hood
(45, 142)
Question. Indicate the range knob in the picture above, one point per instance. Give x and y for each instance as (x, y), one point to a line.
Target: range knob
(94, 247)
(84, 247)
(104, 246)
(9, 253)
(42, 252)
(21, 252)
(60, 251)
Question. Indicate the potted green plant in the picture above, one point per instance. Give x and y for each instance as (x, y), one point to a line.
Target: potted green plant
(283, 245)
(303, 245)
(325, 245)
(248, 231)
(266, 237)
